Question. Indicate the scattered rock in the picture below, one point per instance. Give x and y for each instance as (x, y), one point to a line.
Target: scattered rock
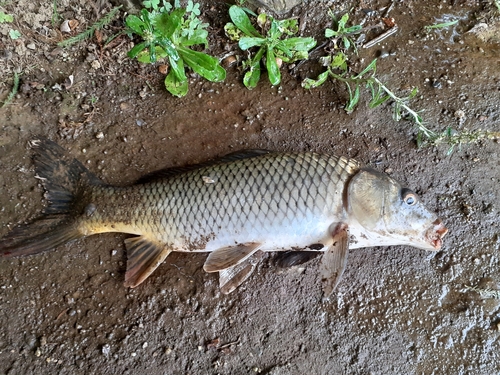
(65, 27)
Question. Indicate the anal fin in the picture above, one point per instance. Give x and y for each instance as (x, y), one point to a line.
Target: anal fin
(233, 277)
(334, 260)
(230, 256)
(143, 257)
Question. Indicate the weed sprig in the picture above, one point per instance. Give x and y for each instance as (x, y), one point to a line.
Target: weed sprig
(106, 20)
(169, 32)
(13, 91)
(276, 44)
(337, 64)
(484, 292)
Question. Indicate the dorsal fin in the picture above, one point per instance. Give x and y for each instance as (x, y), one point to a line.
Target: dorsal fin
(174, 171)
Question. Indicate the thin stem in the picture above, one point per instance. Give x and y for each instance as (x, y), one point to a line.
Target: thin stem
(428, 133)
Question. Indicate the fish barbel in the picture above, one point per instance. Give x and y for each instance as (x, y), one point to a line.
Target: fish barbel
(235, 208)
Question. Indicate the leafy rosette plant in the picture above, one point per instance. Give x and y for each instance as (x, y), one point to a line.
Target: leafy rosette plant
(170, 32)
(275, 47)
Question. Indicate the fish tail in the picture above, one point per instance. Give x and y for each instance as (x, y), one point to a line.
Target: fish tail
(66, 182)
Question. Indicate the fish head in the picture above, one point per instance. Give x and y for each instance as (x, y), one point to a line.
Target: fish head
(392, 213)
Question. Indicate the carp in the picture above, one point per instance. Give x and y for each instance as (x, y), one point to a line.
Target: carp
(235, 208)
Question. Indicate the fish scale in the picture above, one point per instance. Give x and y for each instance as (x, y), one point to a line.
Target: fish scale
(248, 199)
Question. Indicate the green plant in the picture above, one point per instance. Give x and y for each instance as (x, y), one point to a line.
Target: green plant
(452, 138)
(275, 46)
(14, 34)
(440, 25)
(91, 30)
(55, 14)
(483, 292)
(338, 68)
(343, 33)
(13, 91)
(6, 17)
(169, 32)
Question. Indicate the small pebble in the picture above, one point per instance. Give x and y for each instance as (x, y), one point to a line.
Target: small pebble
(99, 135)
(384, 54)
(436, 84)
(65, 27)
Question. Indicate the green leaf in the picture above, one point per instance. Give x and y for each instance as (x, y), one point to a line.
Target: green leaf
(371, 66)
(206, 66)
(136, 49)
(441, 25)
(339, 61)
(353, 98)
(282, 49)
(242, 22)
(153, 4)
(174, 85)
(343, 22)
(169, 48)
(299, 43)
(246, 43)
(353, 29)
(273, 70)
(199, 37)
(145, 57)
(6, 17)
(145, 18)
(309, 83)
(177, 67)
(347, 42)
(413, 93)
(252, 77)
(14, 34)
(168, 24)
(275, 31)
(152, 53)
(329, 33)
(289, 26)
(232, 31)
(375, 102)
(135, 24)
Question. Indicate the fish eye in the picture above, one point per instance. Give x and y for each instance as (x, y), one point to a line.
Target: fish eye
(409, 197)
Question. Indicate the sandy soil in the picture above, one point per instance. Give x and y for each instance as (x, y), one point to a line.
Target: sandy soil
(397, 310)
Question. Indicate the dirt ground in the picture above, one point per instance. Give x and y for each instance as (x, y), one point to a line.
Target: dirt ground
(397, 310)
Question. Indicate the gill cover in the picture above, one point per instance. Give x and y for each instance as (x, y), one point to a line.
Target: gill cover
(367, 195)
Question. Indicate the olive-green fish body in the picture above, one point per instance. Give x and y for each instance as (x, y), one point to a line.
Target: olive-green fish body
(235, 209)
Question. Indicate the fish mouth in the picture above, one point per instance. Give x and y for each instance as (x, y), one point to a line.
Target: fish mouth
(435, 234)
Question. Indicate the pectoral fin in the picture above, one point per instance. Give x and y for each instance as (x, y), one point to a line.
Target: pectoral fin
(334, 260)
(143, 257)
(233, 277)
(226, 257)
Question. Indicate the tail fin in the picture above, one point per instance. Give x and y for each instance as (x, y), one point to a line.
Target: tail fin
(66, 182)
